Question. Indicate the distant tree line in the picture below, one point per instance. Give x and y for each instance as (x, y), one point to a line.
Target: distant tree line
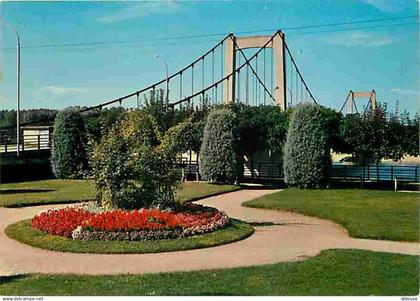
(33, 116)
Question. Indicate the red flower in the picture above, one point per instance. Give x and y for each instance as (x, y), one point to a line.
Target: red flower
(62, 222)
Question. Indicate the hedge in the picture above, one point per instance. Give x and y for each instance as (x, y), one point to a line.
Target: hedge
(69, 147)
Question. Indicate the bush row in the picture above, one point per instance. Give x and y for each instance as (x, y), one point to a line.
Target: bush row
(222, 136)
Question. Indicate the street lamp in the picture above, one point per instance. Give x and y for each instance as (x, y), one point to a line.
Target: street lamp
(18, 86)
(167, 75)
(291, 98)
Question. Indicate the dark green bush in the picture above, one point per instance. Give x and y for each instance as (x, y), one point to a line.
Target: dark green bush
(69, 148)
(218, 156)
(260, 128)
(133, 165)
(307, 150)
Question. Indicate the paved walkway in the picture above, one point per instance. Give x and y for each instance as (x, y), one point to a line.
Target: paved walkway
(280, 236)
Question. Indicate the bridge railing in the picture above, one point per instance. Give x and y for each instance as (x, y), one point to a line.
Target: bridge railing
(376, 173)
(340, 172)
(28, 142)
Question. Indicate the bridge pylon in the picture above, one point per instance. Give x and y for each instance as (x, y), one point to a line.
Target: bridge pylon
(351, 103)
(277, 44)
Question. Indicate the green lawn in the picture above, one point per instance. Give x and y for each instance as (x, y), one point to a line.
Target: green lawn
(23, 232)
(45, 192)
(62, 191)
(369, 214)
(195, 190)
(333, 272)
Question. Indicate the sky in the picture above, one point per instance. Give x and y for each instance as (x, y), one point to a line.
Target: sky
(333, 60)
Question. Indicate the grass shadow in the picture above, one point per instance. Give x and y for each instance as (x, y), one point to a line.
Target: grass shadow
(13, 191)
(11, 278)
(268, 224)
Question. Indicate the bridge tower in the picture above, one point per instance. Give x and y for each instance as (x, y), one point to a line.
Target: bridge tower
(351, 103)
(278, 47)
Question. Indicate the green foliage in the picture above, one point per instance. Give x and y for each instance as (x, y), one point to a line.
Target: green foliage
(395, 136)
(218, 156)
(35, 116)
(411, 134)
(376, 128)
(307, 150)
(69, 149)
(250, 134)
(193, 135)
(167, 117)
(198, 122)
(259, 128)
(277, 123)
(157, 106)
(352, 133)
(99, 122)
(373, 136)
(332, 120)
(133, 164)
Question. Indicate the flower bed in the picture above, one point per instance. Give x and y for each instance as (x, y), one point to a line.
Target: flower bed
(82, 224)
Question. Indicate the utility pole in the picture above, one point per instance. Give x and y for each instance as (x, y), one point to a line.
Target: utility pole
(18, 86)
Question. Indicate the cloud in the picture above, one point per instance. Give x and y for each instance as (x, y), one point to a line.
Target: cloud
(61, 90)
(140, 10)
(404, 91)
(389, 6)
(358, 38)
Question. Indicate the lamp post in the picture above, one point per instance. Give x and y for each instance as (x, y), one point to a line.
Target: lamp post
(291, 98)
(167, 75)
(18, 86)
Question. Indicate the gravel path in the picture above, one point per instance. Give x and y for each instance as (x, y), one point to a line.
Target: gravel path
(279, 236)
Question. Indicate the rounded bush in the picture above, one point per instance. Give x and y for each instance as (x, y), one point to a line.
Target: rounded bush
(218, 156)
(307, 151)
(69, 145)
(133, 164)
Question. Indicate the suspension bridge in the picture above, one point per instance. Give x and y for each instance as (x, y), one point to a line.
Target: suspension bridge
(226, 73)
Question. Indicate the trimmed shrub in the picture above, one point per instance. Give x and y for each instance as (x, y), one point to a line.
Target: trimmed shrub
(307, 151)
(218, 156)
(133, 165)
(69, 148)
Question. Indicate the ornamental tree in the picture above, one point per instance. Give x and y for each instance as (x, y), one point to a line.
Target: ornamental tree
(365, 136)
(307, 150)
(411, 137)
(133, 164)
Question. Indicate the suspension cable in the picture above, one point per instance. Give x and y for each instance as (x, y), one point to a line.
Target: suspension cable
(155, 84)
(297, 70)
(225, 77)
(247, 61)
